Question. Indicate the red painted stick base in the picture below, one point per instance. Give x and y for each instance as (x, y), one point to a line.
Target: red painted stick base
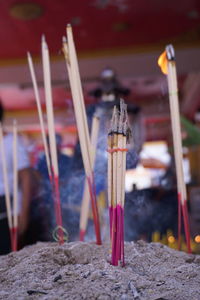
(14, 239)
(117, 238)
(179, 221)
(82, 235)
(58, 210)
(186, 223)
(186, 226)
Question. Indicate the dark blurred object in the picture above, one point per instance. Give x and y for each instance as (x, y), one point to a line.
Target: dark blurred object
(109, 88)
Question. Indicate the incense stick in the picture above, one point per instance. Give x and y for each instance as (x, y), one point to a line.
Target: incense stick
(86, 195)
(110, 172)
(169, 59)
(39, 109)
(15, 187)
(81, 121)
(52, 138)
(6, 186)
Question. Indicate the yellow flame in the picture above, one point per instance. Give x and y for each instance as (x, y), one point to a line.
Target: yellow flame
(197, 238)
(162, 62)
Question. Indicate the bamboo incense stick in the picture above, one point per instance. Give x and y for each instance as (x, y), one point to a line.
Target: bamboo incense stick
(52, 138)
(39, 109)
(74, 62)
(86, 194)
(6, 186)
(168, 60)
(110, 171)
(126, 140)
(15, 187)
(81, 120)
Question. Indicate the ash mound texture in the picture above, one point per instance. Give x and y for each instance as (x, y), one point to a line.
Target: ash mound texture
(78, 270)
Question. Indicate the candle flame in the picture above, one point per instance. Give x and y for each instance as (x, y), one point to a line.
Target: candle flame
(162, 62)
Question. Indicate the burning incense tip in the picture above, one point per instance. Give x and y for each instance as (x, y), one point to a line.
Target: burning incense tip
(170, 52)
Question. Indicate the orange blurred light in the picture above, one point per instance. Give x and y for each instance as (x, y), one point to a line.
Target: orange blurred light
(171, 239)
(162, 62)
(197, 238)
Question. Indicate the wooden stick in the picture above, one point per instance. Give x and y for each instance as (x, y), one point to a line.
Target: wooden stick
(86, 195)
(81, 120)
(177, 140)
(15, 187)
(110, 173)
(6, 186)
(119, 184)
(52, 138)
(39, 109)
(74, 62)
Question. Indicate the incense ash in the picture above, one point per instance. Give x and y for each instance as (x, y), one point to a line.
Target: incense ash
(82, 270)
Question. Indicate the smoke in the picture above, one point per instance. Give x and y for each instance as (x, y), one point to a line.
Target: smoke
(150, 210)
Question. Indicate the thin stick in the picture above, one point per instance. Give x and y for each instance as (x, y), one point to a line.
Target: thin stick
(39, 109)
(6, 186)
(114, 191)
(15, 187)
(110, 178)
(86, 195)
(119, 184)
(52, 138)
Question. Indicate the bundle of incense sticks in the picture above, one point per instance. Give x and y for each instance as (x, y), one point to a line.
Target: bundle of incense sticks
(168, 66)
(118, 137)
(81, 121)
(12, 218)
